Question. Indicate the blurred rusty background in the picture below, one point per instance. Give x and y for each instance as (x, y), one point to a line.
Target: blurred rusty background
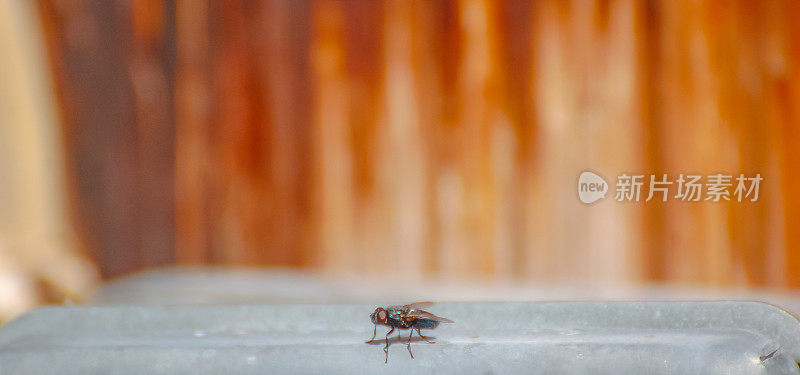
(428, 137)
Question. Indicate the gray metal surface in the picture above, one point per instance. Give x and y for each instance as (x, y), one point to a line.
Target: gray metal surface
(547, 338)
(210, 285)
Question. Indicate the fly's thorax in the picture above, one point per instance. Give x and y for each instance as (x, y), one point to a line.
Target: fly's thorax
(397, 318)
(395, 313)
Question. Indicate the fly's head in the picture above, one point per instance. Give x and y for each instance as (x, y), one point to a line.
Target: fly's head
(379, 316)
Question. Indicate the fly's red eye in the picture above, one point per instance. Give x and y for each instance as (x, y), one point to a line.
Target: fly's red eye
(382, 315)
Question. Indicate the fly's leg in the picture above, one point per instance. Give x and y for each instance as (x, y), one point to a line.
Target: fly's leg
(425, 337)
(374, 332)
(408, 344)
(386, 348)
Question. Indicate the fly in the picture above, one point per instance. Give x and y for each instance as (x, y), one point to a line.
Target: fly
(409, 316)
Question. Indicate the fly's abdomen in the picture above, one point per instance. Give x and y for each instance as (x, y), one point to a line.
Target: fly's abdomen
(425, 324)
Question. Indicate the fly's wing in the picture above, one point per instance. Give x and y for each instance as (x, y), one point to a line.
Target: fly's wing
(396, 309)
(419, 305)
(422, 314)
